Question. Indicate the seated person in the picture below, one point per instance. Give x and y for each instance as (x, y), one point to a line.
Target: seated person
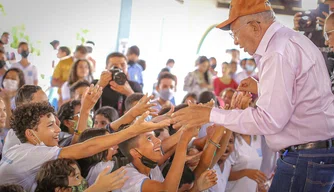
(93, 165)
(26, 94)
(78, 89)
(166, 88)
(63, 175)
(35, 125)
(104, 116)
(114, 94)
(144, 152)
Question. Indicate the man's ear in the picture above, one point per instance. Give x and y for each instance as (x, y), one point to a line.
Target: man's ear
(29, 135)
(257, 29)
(134, 153)
(157, 88)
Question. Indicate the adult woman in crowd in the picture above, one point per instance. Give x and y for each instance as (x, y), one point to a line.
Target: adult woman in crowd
(225, 81)
(199, 80)
(81, 70)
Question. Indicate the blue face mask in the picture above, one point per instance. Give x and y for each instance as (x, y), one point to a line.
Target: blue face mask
(166, 94)
(250, 68)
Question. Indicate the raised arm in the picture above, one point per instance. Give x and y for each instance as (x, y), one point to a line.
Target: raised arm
(101, 143)
(142, 106)
(172, 180)
(91, 96)
(215, 133)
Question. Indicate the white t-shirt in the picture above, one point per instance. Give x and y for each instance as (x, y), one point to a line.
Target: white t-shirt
(21, 163)
(65, 91)
(97, 169)
(245, 157)
(10, 141)
(30, 72)
(136, 179)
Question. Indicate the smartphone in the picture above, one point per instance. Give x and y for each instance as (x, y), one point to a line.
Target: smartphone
(323, 8)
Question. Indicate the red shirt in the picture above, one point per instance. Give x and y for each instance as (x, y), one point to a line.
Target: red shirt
(219, 86)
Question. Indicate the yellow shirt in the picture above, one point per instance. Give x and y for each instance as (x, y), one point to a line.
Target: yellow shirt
(62, 70)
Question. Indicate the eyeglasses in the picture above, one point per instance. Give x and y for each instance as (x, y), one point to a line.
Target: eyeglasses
(326, 34)
(232, 34)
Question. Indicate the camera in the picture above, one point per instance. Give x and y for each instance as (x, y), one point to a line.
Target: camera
(311, 17)
(118, 75)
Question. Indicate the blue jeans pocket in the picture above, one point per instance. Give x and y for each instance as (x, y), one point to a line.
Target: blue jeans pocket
(320, 177)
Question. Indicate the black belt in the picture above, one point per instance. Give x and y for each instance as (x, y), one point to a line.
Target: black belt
(313, 145)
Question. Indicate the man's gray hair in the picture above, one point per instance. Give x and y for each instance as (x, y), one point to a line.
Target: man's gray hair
(264, 17)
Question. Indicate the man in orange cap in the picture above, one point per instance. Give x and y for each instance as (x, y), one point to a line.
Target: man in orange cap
(295, 108)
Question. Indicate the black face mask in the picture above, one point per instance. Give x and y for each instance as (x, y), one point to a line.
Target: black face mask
(2, 63)
(25, 54)
(131, 62)
(213, 66)
(147, 162)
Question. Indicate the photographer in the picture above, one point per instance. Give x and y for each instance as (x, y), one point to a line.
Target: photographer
(316, 36)
(116, 85)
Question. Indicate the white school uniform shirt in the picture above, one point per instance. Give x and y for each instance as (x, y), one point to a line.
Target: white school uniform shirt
(136, 179)
(65, 91)
(97, 169)
(245, 157)
(30, 72)
(21, 163)
(10, 141)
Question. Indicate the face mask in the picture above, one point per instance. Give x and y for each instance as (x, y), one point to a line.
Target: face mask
(39, 142)
(213, 66)
(90, 122)
(166, 94)
(2, 63)
(250, 67)
(131, 62)
(82, 187)
(25, 54)
(147, 162)
(10, 85)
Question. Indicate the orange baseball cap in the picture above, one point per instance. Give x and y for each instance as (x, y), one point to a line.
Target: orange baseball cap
(239, 8)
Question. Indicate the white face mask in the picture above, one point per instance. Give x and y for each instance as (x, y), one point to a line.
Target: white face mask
(10, 85)
(39, 141)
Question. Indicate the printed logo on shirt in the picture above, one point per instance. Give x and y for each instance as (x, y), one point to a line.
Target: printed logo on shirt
(5, 159)
(259, 152)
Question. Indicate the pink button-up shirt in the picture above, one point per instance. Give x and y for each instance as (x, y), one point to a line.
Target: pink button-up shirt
(295, 104)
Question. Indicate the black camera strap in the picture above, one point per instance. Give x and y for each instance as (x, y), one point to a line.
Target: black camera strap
(120, 105)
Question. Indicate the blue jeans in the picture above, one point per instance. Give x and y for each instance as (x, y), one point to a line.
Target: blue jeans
(305, 171)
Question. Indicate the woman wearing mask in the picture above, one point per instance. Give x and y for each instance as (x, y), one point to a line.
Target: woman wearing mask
(199, 80)
(249, 71)
(68, 116)
(12, 80)
(81, 70)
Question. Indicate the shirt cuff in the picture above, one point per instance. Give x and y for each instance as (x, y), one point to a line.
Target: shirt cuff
(217, 116)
